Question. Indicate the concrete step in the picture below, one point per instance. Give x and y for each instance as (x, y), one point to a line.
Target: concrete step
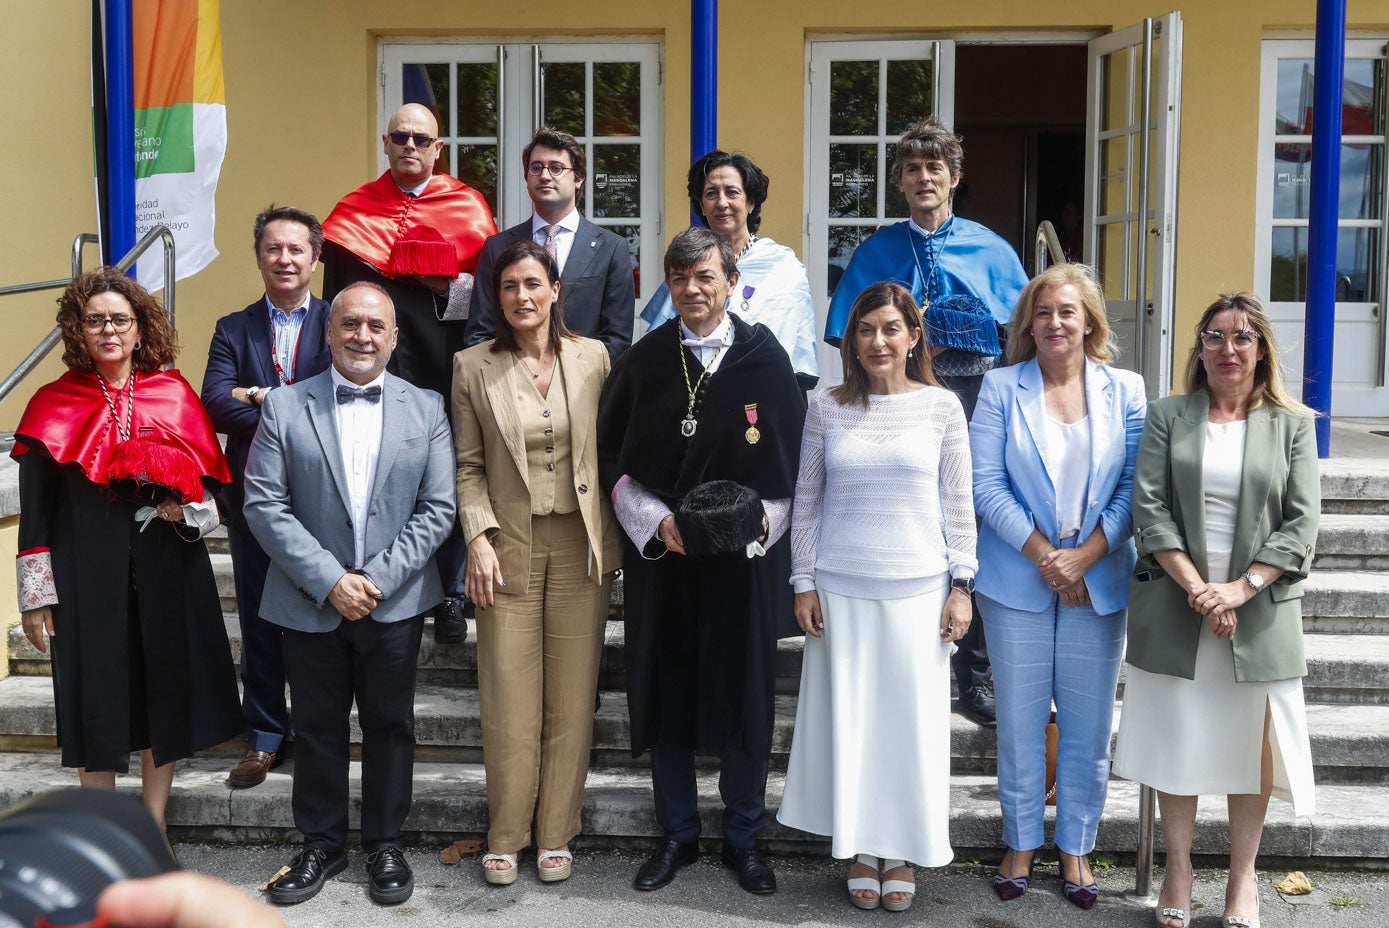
(1356, 485)
(1353, 542)
(1351, 824)
(1350, 743)
(1354, 602)
(442, 664)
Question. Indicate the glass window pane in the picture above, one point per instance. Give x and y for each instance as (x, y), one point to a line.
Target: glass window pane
(854, 181)
(564, 96)
(477, 99)
(633, 236)
(1115, 90)
(910, 92)
(617, 98)
(616, 176)
(1357, 265)
(1362, 97)
(1362, 181)
(853, 98)
(428, 85)
(894, 204)
(1113, 179)
(843, 241)
(477, 167)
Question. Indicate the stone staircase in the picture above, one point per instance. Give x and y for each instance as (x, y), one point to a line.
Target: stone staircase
(1347, 688)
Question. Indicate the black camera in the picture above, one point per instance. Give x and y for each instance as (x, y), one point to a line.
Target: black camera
(58, 851)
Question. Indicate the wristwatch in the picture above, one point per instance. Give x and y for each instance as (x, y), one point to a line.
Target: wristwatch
(1254, 580)
(252, 393)
(963, 583)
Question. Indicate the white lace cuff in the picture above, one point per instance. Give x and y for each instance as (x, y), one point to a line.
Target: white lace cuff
(34, 579)
(198, 518)
(639, 512)
(778, 519)
(460, 296)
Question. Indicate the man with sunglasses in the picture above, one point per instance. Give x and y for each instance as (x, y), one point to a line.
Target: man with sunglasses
(417, 234)
(596, 284)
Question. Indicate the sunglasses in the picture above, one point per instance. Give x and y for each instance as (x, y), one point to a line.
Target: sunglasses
(420, 140)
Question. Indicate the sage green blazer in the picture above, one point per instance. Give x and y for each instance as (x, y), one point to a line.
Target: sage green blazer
(1275, 523)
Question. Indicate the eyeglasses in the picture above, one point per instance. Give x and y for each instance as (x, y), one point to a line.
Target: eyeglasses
(420, 140)
(536, 168)
(1243, 339)
(120, 322)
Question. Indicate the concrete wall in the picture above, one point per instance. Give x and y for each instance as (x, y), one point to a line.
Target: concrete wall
(301, 97)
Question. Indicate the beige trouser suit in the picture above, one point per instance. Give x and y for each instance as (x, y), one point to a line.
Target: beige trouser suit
(527, 476)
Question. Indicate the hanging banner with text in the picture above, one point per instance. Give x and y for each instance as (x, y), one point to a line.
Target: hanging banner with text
(180, 130)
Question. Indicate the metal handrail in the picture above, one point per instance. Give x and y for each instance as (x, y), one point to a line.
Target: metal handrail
(1048, 245)
(50, 341)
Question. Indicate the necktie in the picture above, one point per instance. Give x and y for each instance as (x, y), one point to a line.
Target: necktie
(348, 394)
(551, 234)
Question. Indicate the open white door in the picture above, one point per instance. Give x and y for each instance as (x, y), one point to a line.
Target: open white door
(863, 96)
(1132, 132)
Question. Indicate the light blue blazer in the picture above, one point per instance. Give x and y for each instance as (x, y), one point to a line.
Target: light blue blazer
(299, 509)
(1014, 493)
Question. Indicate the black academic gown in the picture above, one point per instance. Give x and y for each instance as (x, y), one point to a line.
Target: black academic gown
(140, 653)
(701, 633)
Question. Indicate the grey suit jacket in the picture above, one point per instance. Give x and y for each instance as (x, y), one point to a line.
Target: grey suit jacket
(596, 286)
(298, 507)
(1275, 523)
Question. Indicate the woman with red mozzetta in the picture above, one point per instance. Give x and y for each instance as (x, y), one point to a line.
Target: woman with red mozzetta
(116, 461)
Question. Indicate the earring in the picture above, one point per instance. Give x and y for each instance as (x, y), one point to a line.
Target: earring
(139, 344)
(911, 352)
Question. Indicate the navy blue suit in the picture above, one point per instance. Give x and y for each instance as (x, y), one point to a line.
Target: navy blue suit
(240, 356)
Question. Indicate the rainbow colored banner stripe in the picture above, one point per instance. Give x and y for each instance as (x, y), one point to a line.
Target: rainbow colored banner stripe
(180, 128)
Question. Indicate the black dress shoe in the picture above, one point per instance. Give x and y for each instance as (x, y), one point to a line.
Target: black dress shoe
(660, 867)
(753, 873)
(978, 705)
(449, 625)
(307, 874)
(389, 879)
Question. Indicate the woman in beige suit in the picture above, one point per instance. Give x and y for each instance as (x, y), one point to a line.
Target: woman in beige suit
(542, 548)
(1226, 499)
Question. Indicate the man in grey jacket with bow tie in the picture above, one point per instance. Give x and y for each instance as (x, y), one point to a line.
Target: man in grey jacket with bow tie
(350, 491)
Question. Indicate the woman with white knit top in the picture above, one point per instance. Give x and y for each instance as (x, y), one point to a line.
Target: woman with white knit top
(882, 542)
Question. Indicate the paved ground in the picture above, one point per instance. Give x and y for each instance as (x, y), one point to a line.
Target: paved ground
(810, 893)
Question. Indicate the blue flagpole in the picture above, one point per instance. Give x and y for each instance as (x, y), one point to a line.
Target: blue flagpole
(704, 82)
(1320, 322)
(119, 207)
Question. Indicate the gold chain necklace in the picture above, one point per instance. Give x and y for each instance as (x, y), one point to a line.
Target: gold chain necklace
(690, 423)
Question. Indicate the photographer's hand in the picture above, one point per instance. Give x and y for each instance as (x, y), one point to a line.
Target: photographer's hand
(183, 900)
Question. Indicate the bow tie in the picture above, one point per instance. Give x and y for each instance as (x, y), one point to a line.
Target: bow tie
(348, 394)
(709, 341)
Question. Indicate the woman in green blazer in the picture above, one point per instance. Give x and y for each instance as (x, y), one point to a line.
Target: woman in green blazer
(1226, 499)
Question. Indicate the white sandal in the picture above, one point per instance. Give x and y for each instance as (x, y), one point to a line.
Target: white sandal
(554, 874)
(503, 877)
(897, 886)
(866, 883)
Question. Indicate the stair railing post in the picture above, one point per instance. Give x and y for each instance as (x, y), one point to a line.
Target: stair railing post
(1142, 893)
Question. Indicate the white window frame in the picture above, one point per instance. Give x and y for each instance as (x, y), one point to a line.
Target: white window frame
(1357, 324)
(519, 76)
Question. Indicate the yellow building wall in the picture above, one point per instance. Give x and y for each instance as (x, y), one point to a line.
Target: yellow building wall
(302, 97)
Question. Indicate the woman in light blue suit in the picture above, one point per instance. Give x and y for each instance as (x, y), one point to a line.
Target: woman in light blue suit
(1054, 440)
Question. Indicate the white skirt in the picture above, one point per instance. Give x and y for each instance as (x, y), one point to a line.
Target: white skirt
(870, 760)
(1204, 737)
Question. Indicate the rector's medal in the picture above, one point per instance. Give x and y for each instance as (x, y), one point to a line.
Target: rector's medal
(752, 434)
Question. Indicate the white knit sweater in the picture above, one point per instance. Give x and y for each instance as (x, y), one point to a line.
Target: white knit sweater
(884, 506)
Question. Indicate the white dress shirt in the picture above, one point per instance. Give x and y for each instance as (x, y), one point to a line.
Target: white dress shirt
(564, 238)
(359, 435)
(710, 348)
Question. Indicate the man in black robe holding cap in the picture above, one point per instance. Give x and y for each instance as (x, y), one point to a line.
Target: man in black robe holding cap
(703, 397)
